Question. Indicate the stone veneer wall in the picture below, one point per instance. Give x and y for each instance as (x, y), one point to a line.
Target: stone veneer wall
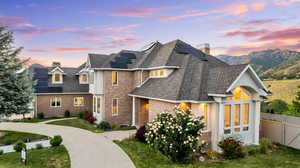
(121, 91)
(43, 104)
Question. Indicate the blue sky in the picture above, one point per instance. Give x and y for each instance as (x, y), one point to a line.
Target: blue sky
(67, 30)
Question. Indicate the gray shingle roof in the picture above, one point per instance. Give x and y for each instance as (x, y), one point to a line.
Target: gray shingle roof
(70, 80)
(193, 80)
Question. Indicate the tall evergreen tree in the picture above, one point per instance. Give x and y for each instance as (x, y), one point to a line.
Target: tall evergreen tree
(16, 91)
(296, 102)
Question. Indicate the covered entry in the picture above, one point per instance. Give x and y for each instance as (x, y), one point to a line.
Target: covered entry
(143, 117)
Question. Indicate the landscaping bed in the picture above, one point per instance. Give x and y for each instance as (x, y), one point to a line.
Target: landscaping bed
(11, 137)
(55, 157)
(144, 156)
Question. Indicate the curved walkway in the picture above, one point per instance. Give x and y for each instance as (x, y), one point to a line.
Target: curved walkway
(86, 149)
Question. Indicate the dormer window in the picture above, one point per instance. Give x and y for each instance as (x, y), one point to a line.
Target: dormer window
(83, 78)
(158, 73)
(57, 78)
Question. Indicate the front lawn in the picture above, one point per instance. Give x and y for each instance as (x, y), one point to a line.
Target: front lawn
(77, 123)
(34, 120)
(11, 137)
(55, 157)
(145, 157)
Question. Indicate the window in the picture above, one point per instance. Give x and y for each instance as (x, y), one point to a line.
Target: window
(114, 78)
(114, 107)
(55, 102)
(227, 116)
(78, 101)
(94, 104)
(239, 94)
(98, 104)
(158, 73)
(57, 78)
(204, 109)
(246, 117)
(83, 78)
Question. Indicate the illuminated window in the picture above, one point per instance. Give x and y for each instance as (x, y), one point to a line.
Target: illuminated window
(184, 106)
(57, 78)
(114, 107)
(55, 102)
(246, 114)
(227, 116)
(158, 73)
(204, 109)
(237, 111)
(84, 78)
(239, 94)
(78, 101)
(114, 78)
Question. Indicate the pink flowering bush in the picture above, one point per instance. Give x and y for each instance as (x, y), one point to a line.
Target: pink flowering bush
(176, 136)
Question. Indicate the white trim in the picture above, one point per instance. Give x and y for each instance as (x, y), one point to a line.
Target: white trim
(60, 77)
(133, 111)
(134, 69)
(171, 101)
(241, 74)
(143, 82)
(80, 78)
(80, 105)
(62, 93)
(57, 68)
(55, 98)
(219, 95)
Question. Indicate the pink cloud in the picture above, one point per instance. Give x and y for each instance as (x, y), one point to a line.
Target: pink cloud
(33, 5)
(290, 33)
(120, 42)
(254, 33)
(235, 9)
(258, 6)
(262, 21)
(11, 20)
(59, 50)
(135, 12)
(285, 2)
(29, 29)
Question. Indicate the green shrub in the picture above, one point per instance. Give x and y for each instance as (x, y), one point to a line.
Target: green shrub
(1, 152)
(7, 141)
(40, 115)
(39, 146)
(278, 106)
(104, 125)
(176, 136)
(265, 146)
(231, 148)
(115, 127)
(212, 155)
(67, 114)
(140, 134)
(56, 140)
(252, 150)
(19, 146)
(81, 115)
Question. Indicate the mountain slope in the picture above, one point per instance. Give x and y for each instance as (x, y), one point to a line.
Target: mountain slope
(262, 61)
(291, 66)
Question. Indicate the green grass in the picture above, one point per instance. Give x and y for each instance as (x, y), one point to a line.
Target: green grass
(34, 120)
(283, 89)
(145, 157)
(77, 123)
(11, 137)
(55, 157)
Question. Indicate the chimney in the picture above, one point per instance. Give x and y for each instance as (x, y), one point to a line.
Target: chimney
(55, 64)
(204, 48)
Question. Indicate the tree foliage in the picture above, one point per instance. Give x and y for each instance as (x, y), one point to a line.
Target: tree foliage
(278, 106)
(296, 102)
(15, 83)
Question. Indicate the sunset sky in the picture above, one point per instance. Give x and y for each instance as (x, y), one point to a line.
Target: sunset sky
(67, 30)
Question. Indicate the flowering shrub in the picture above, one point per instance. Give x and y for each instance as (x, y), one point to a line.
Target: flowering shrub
(232, 148)
(176, 136)
(90, 118)
(140, 134)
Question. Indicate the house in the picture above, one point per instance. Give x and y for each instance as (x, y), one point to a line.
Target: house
(131, 87)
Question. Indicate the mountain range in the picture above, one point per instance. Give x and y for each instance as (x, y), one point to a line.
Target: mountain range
(270, 63)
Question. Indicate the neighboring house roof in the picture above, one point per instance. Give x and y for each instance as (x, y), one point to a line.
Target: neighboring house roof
(70, 80)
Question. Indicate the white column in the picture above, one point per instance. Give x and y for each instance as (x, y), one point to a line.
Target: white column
(256, 122)
(133, 111)
(217, 123)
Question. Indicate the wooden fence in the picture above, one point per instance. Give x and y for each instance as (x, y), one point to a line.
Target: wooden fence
(282, 129)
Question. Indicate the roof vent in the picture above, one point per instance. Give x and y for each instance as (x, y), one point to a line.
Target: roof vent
(204, 48)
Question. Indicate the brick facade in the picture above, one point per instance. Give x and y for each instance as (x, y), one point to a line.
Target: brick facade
(156, 107)
(67, 103)
(120, 92)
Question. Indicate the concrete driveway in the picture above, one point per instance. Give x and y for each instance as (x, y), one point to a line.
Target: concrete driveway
(86, 149)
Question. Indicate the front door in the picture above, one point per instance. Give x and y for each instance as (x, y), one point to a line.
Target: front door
(97, 100)
(238, 116)
(144, 112)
